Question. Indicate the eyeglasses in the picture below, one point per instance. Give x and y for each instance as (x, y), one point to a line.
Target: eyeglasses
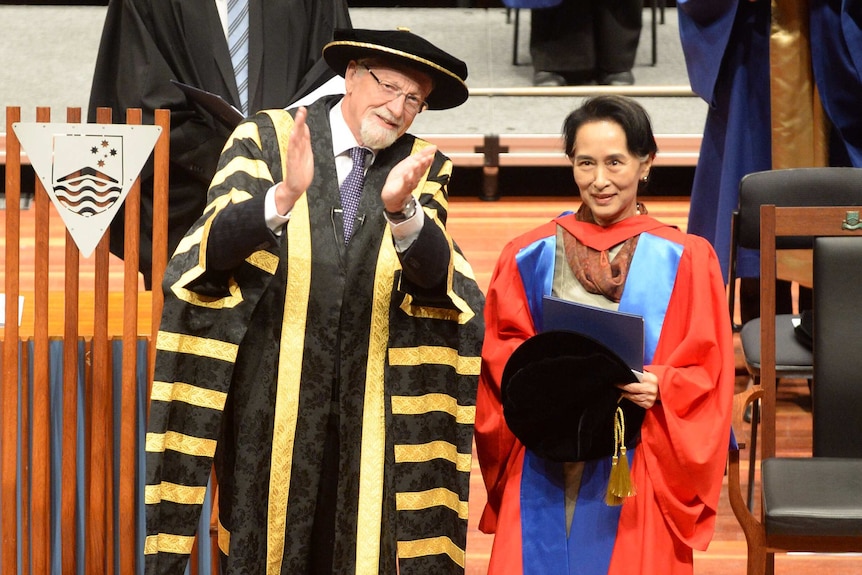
(413, 103)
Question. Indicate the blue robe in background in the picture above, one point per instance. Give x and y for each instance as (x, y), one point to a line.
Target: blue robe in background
(836, 56)
(726, 48)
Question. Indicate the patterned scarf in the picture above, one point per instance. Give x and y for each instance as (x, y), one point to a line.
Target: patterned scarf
(594, 269)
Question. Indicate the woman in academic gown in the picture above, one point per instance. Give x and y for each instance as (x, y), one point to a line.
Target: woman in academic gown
(551, 517)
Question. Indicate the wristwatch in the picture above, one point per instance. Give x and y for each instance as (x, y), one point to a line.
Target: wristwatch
(407, 212)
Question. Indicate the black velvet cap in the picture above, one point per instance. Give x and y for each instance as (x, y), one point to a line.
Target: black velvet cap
(403, 47)
(560, 397)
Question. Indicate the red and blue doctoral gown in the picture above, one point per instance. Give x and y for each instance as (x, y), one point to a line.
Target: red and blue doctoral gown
(674, 281)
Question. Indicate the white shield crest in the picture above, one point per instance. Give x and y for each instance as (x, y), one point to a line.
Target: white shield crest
(87, 170)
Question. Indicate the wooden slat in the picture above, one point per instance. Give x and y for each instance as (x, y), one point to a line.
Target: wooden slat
(100, 401)
(8, 464)
(26, 439)
(193, 559)
(215, 552)
(41, 548)
(128, 394)
(24, 159)
(161, 161)
(816, 219)
(68, 502)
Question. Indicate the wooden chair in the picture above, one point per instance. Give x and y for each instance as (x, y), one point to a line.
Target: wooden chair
(838, 271)
(809, 504)
(790, 187)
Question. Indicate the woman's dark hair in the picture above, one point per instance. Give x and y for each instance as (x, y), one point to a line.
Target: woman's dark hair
(624, 111)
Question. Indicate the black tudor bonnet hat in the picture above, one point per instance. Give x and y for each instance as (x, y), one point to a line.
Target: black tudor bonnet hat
(447, 72)
(560, 397)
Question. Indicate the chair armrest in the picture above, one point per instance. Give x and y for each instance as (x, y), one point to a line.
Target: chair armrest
(741, 400)
(750, 524)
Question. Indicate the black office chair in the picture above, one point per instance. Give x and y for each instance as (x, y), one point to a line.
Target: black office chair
(837, 400)
(811, 504)
(790, 187)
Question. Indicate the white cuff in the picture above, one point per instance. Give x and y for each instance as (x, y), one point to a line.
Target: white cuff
(274, 220)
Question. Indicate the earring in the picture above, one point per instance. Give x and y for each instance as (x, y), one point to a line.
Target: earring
(645, 178)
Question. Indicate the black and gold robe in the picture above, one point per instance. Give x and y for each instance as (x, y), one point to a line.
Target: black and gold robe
(247, 359)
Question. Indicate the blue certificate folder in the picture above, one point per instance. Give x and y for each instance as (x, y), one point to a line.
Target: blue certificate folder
(622, 332)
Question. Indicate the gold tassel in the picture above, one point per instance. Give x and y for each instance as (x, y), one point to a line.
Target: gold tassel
(620, 483)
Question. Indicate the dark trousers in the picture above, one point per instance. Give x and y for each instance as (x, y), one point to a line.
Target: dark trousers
(586, 36)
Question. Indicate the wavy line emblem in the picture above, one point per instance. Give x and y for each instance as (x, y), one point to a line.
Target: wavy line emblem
(88, 172)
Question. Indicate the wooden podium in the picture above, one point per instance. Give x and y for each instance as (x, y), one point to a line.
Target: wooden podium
(86, 306)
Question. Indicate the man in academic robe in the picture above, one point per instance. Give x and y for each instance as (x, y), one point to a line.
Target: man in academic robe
(145, 45)
(327, 362)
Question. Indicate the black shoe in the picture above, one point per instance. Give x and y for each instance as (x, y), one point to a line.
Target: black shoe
(581, 78)
(617, 79)
(548, 79)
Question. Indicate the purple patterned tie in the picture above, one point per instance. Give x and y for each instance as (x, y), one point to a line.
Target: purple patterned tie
(351, 189)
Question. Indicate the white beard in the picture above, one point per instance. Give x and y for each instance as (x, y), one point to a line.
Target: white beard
(375, 136)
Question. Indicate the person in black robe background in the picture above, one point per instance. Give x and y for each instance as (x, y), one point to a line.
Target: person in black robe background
(146, 44)
(585, 42)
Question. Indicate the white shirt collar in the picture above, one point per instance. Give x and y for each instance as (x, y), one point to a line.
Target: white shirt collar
(342, 137)
(221, 7)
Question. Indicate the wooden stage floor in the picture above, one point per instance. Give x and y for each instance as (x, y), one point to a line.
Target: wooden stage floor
(481, 229)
